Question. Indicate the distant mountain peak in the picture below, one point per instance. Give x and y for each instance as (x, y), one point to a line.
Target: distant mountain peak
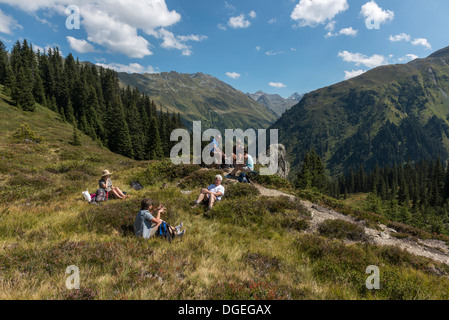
(443, 53)
(275, 102)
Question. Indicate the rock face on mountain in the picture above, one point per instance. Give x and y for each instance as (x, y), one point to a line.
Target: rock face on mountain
(283, 164)
(386, 116)
(201, 97)
(275, 102)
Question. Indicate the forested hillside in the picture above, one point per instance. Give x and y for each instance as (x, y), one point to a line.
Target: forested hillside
(90, 99)
(385, 117)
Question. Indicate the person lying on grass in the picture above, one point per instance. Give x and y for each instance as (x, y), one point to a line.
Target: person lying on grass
(106, 184)
(146, 225)
(211, 195)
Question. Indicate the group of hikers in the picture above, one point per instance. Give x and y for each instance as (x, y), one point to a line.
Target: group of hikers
(148, 221)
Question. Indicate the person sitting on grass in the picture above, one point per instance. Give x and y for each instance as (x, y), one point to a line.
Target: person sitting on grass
(147, 226)
(245, 168)
(106, 184)
(211, 195)
(216, 153)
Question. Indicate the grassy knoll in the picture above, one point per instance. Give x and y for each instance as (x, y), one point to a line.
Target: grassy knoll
(252, 247)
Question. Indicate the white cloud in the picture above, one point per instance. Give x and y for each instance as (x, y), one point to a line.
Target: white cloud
(8, 23)
(349, 32)
(372, 12)
(81, 46)
(345, 32)
(277, 85)
(422, 42)
(229, 6)
(271, 21)
(233, 75)
(400, 37)
(192, 37)
(314, 12)
(258, 48)
(253, 14)
(221, 27)
(113, 24)
(239, 22)
(170, 41)
(131, 68)
(353, 74)
(359, 59)
(331, 26)
(408, 57)
(412, 56)
(273, 53)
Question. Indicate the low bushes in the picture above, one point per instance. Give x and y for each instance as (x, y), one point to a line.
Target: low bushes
(112, 216)
(402, 275)
(241, 190)
(339, 229)
(200, 179)
(273, 182)
(165, 171)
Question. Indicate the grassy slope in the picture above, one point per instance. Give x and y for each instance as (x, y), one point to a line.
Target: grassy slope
(248, 250)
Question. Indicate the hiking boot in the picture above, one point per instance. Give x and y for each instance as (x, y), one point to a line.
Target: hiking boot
(181, 234)
(178, 228)
(194, 205)
(208, 212)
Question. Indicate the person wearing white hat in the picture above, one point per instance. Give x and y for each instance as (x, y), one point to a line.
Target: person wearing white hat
(106, 184)
(212, 194)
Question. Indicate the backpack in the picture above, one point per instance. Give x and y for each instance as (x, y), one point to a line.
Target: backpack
(100, 196)
(164, 232)
(243, 178)
(136, 185)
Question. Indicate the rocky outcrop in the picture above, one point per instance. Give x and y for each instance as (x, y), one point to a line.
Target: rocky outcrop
(283, 164)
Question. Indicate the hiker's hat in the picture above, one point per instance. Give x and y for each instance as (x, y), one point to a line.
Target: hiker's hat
(219, 177)
(106, 173)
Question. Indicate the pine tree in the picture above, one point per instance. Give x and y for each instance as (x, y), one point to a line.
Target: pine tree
(119, 140)
(312, 174)
(76, 140)
(22, 92)
(154, 140)
(3, 63)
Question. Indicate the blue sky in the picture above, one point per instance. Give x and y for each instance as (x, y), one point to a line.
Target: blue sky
(278, 46)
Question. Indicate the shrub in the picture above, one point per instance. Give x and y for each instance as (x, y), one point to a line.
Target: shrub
(73, 165)
(25, 134)
(200, 179)
(262, 264)
(82, 294)
(165, 171)
(241, 190)
(340, 229)
(273, 181)
(405, 229)
(283, 204)
(248, 290)
(296, 224)
(112, 216)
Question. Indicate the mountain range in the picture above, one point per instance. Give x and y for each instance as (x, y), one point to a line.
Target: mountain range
(389, 115)
(275, 102)
(201, 97)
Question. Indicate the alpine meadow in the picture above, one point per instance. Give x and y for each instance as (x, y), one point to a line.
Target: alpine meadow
(93, 93)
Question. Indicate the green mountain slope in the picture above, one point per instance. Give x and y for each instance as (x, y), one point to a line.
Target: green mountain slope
(385, 116)
(253, 248)
(200, 97)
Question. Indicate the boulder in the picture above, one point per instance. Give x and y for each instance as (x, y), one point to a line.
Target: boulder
(283, 164)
